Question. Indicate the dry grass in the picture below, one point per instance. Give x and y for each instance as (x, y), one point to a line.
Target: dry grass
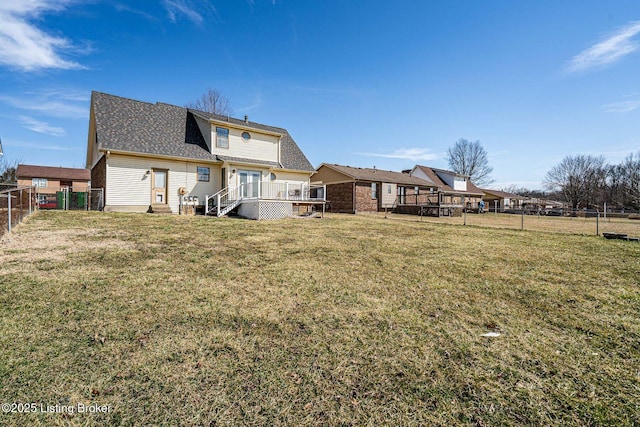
(551, 224)
(343, 321)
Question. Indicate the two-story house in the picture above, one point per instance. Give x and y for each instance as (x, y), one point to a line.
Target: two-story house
(162, 158)
(51, 181)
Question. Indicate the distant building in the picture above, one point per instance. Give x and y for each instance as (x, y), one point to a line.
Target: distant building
(50, 179)
(501, 200)
(357, 190)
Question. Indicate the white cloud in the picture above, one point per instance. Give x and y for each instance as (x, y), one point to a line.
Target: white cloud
(621, 107)
(613, 48)
(125, 8)
(188, 9)
(41, 127)
(257, 103)
(405, 153)
(50, 104)
(23, 45)
(20, 144)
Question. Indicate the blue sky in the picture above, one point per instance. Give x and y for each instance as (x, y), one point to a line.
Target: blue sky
(356, 82)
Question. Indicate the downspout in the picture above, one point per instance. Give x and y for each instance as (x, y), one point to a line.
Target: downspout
(354, 197)
(279, 150)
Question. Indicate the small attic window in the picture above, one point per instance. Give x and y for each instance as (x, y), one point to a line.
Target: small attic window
(246, 136)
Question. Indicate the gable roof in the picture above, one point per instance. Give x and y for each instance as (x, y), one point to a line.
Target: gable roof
(377, 175)
(502, 194)
(432, 174)
(291, 156)
(124, 124)
(52, 172)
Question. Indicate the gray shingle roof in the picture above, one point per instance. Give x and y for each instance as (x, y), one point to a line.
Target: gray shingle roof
(291, 156)
(378, 175)
(432, 174)
(162, 129)
(52, 172)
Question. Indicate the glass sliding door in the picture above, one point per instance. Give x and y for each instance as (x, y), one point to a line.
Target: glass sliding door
(250, 182)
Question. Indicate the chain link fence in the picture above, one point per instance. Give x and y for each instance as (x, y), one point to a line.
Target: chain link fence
(572, 221)
(66, 199)
(16, 203)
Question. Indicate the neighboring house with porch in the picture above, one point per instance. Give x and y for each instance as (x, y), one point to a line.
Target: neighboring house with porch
(500, 201)
(51, 180)
(455, 191)
(357, 190)
(164, 158)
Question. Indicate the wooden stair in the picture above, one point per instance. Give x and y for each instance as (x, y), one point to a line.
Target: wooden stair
(160, 208)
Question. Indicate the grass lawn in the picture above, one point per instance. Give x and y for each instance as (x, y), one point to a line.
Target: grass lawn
(351, 320)
(552, 224)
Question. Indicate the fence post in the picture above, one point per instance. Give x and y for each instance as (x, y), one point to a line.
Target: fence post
(597, 223)
(522, 221)
(9, 211)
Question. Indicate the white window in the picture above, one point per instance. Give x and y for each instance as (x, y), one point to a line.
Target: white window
(222, 137)
(203, 174)
(39, 182)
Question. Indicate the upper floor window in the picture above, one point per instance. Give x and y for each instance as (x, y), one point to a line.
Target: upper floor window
(374, 190)
(39, 182)
(246, 136)
(222, 137)
(203, 174)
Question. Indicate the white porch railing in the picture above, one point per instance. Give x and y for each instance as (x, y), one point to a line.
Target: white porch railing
(225, 200)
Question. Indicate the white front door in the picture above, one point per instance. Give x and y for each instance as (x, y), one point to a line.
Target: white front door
(250, 182)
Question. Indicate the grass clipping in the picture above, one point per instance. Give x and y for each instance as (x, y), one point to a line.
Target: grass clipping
(345, 321)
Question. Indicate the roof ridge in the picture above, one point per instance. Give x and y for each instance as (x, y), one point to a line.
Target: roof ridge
(96, 92)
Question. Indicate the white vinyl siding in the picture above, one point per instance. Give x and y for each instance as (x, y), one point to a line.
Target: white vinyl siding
(129, 185)
(389, 194)
(259, 147)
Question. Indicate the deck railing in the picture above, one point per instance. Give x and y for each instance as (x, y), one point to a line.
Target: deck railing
(228, 198)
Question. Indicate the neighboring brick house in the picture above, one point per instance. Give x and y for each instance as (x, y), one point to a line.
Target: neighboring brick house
(455, 191)
(356, 190)
(501, 201)
(51, 179)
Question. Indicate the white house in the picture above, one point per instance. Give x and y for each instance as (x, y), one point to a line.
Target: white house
(163, 158)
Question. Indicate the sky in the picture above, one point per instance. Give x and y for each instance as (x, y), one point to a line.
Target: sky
(355, 82)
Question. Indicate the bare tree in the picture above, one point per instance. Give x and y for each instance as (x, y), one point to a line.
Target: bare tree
(8, 169)
(212, 101)
(470, 158)
(581, 179)
(624, 180)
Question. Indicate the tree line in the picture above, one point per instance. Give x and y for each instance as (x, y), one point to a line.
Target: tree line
(587, 181)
